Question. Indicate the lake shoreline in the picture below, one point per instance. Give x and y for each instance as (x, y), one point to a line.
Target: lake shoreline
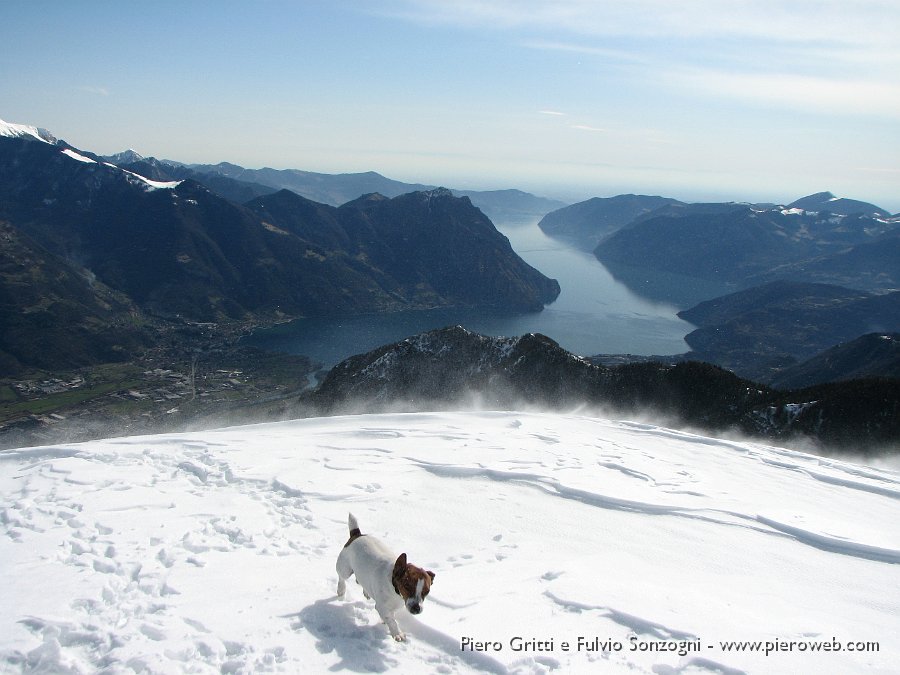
(595, 313)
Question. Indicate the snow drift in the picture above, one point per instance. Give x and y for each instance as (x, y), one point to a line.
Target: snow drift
(560, 542)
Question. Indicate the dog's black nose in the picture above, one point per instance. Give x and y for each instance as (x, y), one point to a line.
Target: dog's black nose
(415, 609)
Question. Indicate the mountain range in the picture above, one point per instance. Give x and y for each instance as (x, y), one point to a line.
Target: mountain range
(240, 184)
(746, 246)
(176, 249)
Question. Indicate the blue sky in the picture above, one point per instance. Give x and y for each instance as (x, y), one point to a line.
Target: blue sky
(695, 99)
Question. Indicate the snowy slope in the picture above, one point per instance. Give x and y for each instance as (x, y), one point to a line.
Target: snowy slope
(214, 551)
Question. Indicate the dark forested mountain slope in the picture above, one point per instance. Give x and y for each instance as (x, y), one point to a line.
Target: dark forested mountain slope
(762, 330)
(449, 367)
(54, 315)
(870, 355)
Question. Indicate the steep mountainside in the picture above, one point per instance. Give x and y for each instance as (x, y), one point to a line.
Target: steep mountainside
(429, 245)
(449, 243)
(871, 265)
(55, 315)
(762, 330)
(176, 248)
(586, 223)
(871, 355)
(451, 366)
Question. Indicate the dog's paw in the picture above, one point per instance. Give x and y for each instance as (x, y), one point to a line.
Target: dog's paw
(400, 637)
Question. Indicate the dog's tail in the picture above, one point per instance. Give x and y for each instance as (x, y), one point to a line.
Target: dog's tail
(354, 526)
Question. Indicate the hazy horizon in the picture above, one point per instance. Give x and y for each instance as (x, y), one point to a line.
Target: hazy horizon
(752, 101)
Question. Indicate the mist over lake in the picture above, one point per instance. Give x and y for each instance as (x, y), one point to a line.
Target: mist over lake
(593, 314)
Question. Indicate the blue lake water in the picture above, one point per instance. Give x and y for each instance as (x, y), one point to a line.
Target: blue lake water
(594, 314)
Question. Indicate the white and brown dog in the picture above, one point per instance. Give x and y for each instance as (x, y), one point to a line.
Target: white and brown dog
(389, 580)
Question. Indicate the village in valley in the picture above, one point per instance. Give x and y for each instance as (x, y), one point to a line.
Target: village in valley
(164, 390)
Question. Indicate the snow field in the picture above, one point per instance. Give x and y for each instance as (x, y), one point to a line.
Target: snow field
(214, 551)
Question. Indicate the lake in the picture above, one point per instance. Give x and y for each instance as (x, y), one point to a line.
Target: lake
(594, 313)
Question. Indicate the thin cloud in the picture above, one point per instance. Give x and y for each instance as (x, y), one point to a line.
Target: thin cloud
(863, 22)
(585, 127)
(99, 91)
(555, 113)
(845, 53)
(818, 94)
(622, 55)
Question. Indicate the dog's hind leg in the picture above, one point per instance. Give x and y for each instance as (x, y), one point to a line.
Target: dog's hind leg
(344, 572)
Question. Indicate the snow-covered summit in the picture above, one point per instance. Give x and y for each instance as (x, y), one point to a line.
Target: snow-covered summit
(125, 157)
(561, 543)
(10, 130)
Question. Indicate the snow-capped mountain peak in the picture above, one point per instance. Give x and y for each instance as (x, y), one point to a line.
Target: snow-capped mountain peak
(11, 130)
(125, 157)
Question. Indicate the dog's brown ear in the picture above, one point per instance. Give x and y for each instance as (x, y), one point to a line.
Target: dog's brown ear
(430, 573)
(400, 565)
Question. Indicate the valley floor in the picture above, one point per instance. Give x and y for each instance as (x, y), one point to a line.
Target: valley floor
(560, 543)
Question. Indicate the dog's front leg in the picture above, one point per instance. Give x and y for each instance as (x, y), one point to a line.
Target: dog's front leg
(393, 626)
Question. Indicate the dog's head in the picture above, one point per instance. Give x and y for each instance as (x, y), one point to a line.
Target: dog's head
(412, 583)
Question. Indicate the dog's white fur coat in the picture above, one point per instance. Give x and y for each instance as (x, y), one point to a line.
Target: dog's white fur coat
(383, 576)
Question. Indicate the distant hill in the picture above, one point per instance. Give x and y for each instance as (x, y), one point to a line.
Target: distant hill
(746, 246)
(825, 202)
(331, 189)
(760, 331)
(872, 355)
(234, 190)
(506, 206)
(587, 223)
(338, 189)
